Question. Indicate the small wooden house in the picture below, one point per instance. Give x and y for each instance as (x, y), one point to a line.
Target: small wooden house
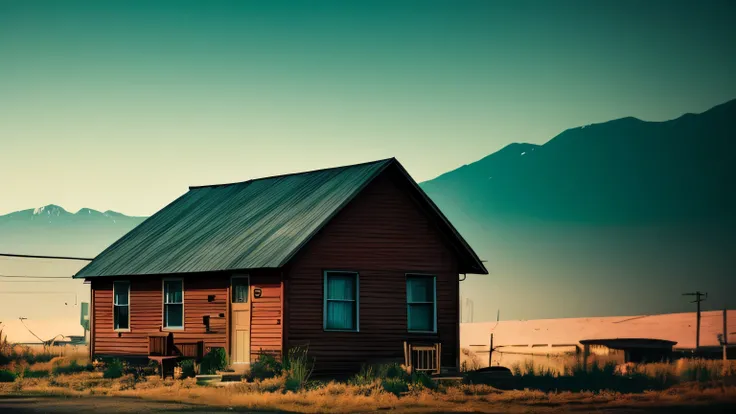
(356, 262)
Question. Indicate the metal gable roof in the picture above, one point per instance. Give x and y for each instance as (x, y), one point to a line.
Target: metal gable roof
(255, 224)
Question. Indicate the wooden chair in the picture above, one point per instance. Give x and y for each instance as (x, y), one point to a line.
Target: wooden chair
(161, 350)
(423, 357)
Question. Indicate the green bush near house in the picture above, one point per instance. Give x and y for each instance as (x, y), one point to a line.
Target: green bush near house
(265, 367)
(422, 380)
(298, 367)
(396, 386)
(187, 368)
(7, 375)
(215, 360)
(114, 369)
(35, 373)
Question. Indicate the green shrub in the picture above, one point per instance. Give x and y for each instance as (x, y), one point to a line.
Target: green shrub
(292, 384)
(422, 380)
(187, 368)
(366, 376)
(7, 375)
(114, 369)
(265, 367)
(32, 358)
(392, 371)
(300, 367)
(72, 368)
(35, 373)
(371, 373)
(396, 386)
(215, 360)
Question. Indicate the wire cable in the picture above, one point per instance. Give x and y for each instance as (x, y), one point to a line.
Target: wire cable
(36, 277)
(29, 256)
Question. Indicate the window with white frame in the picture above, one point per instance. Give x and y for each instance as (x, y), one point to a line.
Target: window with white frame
(341, 301)
(173, 304)
(421, 303)
(121, 305)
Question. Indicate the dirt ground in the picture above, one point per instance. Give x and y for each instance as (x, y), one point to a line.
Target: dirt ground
(114, 405)
(98, 405)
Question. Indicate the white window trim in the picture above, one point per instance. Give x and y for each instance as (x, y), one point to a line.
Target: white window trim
(408, 307)
(357, 301)
(163, 305)
(127, 282)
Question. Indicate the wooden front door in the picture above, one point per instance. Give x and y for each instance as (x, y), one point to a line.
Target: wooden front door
(240, 299)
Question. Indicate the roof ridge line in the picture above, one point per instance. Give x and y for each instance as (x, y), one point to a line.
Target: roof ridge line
(195, 187)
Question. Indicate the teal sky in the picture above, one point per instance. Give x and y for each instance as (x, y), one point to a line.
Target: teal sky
(122, 105)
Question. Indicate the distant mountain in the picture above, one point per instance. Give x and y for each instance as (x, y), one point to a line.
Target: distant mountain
(622, 171)
(604, 219)
(51, 230)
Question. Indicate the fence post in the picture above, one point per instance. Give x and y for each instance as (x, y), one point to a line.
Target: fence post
(490, 353)
(725, 342)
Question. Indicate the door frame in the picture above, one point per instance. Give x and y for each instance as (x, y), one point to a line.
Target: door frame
(231, 334)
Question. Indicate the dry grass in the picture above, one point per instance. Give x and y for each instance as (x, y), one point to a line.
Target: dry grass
(339, 397)
(699, 383)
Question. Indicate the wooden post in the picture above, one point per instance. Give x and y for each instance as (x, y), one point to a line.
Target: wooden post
(490, 353)
(697, 328)
(725, 338)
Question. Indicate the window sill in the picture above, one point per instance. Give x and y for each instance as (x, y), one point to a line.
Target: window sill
(422, 332)
(341, 330)
(172, 329)
(121, 330)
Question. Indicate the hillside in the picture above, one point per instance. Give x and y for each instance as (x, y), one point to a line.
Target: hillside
(624, 171)
(51, 230)
(626, 214)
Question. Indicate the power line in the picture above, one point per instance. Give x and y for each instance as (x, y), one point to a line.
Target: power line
(32, 292)
(32, 281)
(28, 256)
(36, 277)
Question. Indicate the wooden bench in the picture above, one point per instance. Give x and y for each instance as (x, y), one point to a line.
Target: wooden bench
(161, 348)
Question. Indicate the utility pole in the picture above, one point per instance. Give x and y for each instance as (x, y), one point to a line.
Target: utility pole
(699, 297)
(725, 338)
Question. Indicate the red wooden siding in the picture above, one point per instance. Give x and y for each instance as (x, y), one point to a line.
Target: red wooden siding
(146, 314)
(382, 234)
(266, 317)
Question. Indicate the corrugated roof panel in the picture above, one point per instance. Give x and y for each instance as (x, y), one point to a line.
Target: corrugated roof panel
(254, 224)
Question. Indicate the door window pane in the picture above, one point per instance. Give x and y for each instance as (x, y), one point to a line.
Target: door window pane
(240, 288)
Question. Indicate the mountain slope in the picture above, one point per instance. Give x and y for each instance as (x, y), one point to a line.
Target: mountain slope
(51, 230)
(622, 171)
(608, 219)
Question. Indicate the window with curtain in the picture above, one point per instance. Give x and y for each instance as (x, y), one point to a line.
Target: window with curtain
(421, 303)
(240, 288)
(341, 301)
(121, 305)
(173, 304)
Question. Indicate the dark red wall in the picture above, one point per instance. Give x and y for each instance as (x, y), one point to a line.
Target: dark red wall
(382, 235)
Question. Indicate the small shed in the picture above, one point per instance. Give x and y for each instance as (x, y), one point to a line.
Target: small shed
(634, 349)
